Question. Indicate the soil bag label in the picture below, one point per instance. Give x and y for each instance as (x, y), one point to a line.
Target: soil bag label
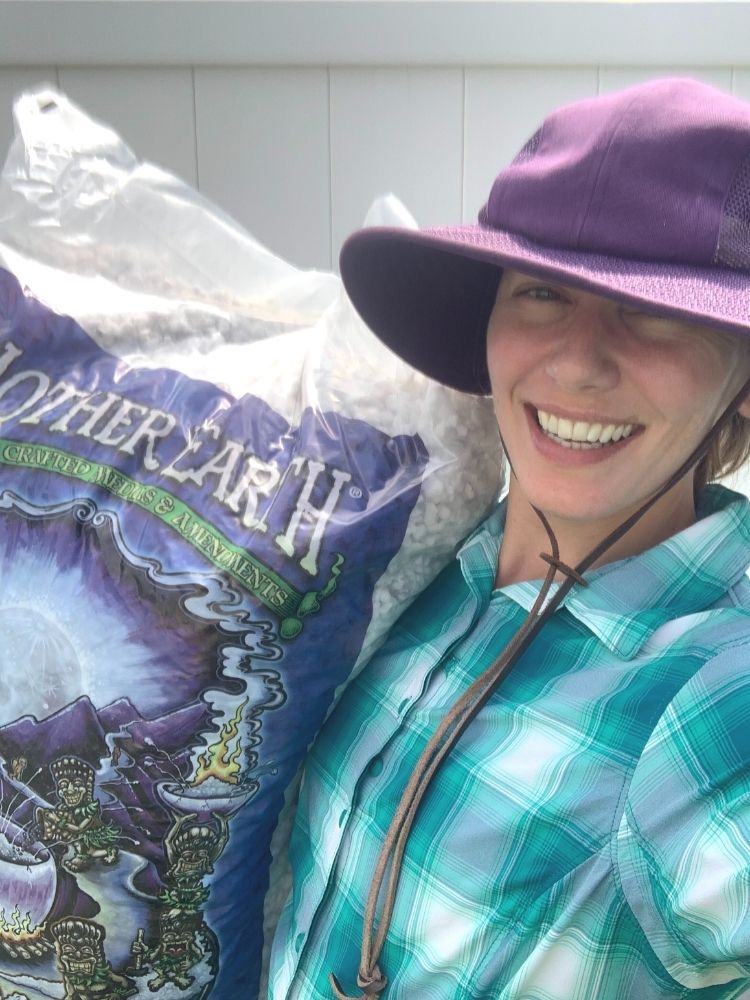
(185, 579)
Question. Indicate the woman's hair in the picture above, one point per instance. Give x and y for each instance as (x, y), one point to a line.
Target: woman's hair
(731, 448)
(727, 453)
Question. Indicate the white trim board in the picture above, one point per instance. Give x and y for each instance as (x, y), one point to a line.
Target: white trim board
(346, 32)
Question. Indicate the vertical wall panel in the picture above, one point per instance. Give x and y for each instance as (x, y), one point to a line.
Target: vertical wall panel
(151, 108)
(12, 81)
(263, 155)
(395, 130)
(503, 108)
(299, 163)
(741, 83)
(616, 77)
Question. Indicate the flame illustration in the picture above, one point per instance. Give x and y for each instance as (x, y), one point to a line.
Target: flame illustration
(219, 760)
(18, 928)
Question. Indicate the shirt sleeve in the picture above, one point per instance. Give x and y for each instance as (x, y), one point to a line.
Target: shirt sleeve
(683, 846)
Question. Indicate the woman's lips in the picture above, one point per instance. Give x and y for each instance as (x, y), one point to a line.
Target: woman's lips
(563, 454)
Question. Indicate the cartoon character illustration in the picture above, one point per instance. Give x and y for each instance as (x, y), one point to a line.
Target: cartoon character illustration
(86, 973)
(77, 820)
(192, 849)
(17, 767)
(175, 954)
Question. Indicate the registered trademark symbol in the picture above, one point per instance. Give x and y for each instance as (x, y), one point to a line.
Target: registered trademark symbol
(355, 492)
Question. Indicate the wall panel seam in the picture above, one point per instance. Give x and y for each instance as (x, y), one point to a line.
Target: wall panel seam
(330, 171)
(463, 143)
(195, 131)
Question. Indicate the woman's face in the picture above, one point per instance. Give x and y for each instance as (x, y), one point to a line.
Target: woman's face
(597, 402)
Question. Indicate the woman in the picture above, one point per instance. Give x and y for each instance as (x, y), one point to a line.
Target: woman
(540, 787)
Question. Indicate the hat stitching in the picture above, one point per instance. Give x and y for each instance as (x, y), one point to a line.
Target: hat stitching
(600, 168)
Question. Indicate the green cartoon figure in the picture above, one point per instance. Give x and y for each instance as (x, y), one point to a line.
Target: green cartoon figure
(192, 850)
(77, 820)
(175, 954)
(86, 973)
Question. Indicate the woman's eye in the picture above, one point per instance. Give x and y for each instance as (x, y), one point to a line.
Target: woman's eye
(532, 301)
(652, 325)
(538, 304)
(540, 293)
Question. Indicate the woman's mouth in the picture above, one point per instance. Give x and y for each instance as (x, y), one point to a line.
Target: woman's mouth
(581, 434)
(571, 442)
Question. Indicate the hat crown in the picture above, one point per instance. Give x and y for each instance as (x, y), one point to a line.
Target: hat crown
(642, 196)
(659, 171)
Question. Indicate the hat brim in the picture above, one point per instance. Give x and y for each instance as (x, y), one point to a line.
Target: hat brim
(428, 294)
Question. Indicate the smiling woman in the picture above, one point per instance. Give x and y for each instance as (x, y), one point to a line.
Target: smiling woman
(630, 393)
(540, 787)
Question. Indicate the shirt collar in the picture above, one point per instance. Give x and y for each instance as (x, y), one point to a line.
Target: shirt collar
(627, 600)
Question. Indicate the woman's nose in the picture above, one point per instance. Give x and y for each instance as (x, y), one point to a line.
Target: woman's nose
(584, 356)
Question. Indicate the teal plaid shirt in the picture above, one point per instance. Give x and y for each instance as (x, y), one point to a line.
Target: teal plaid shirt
(589, 837)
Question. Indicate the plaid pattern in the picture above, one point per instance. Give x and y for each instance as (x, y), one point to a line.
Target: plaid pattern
(589, 837)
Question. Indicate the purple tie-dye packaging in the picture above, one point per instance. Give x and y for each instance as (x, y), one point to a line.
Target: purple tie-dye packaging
(217, 491)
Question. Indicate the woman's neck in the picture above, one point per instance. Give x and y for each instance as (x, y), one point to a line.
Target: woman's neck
(525, 538)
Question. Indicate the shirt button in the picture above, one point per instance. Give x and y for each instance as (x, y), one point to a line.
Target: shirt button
(376, 766)
(342, 817)
(299, 941)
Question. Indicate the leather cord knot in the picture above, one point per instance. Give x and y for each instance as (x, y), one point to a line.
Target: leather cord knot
(371, 985)
(374, 984)
(564, 568)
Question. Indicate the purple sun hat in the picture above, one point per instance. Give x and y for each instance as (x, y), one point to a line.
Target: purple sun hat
(642, 195)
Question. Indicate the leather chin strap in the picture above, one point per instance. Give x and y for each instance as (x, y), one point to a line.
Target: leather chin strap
(370, 980)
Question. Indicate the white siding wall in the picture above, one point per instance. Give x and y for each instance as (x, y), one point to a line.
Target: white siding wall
(298, 152)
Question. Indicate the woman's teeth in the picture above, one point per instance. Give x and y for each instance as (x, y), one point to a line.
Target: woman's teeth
(580, 433)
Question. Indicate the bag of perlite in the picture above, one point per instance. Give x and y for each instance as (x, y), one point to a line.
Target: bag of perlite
(217, 492)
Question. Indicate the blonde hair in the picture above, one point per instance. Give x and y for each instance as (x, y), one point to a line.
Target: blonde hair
(728, 452)
(731, 448)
